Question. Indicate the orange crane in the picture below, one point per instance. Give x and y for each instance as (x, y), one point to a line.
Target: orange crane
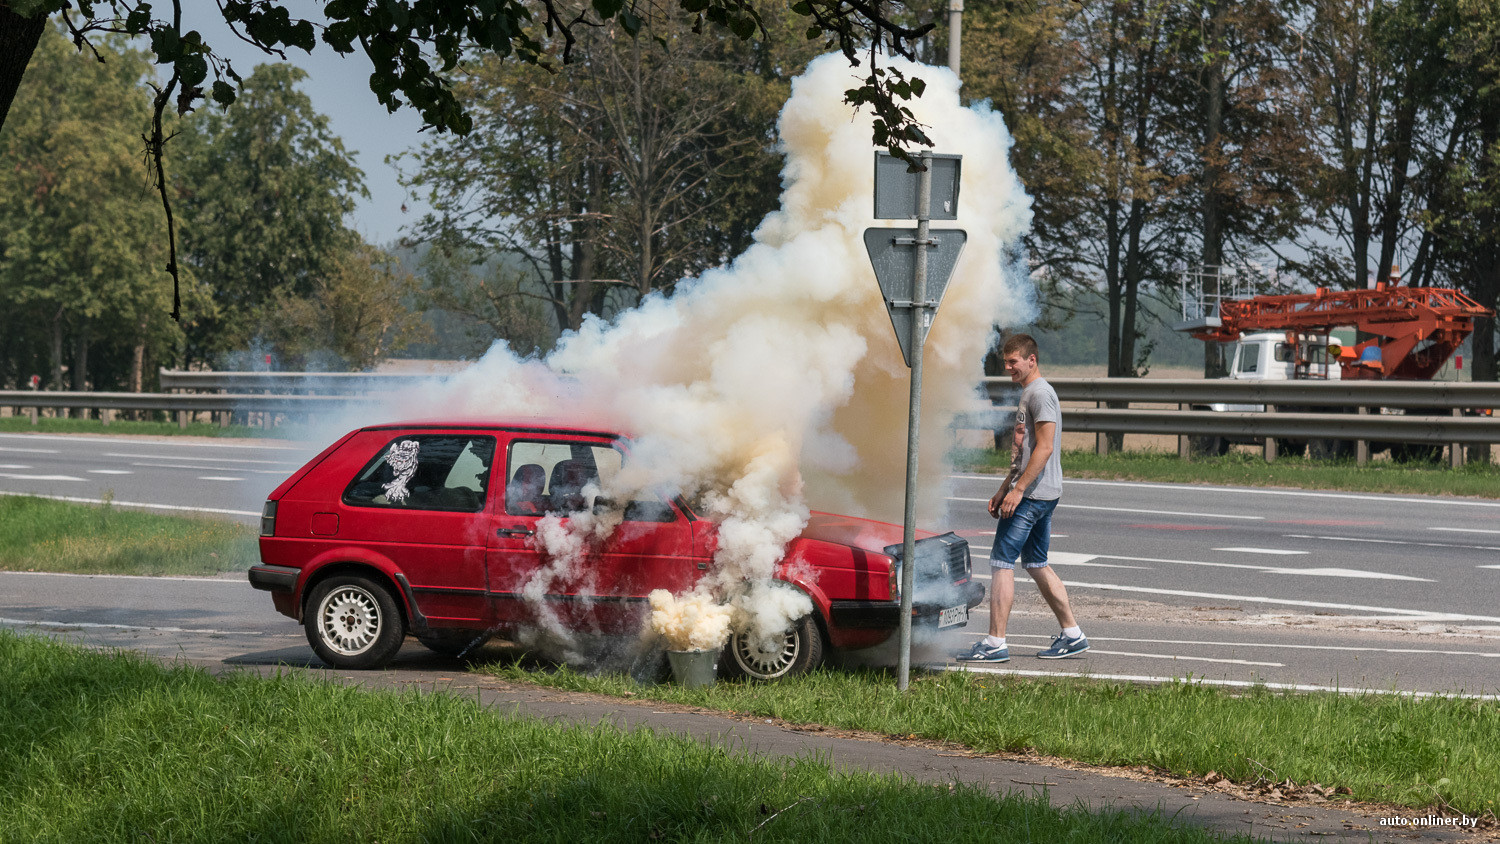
(1415, 329)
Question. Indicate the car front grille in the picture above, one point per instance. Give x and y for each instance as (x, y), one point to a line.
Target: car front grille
(947, 554)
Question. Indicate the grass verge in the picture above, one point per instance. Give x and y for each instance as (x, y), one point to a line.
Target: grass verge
(50, 425)
(37, 534)
(104, 748)
(1421, 753)
(1242, 469)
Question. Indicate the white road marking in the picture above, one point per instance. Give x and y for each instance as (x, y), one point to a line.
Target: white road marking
(1362, 649)
(1281, 551)
(110, 472)
(1349, 573)
(277, 472)
(207, 459)
(1133, 510)
(13, 466)
(90, 625)
(1180, 657)
(30, 450)
(1391, 542)
(1270, 569)
(14, 477)
(1488, 567)
(219, 478)
(140, 504)
(1414, 615)
(176, 442)
(1465, 530)
(238, 581)
(1203, 681)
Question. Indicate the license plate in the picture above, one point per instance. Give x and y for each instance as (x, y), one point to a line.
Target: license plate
(953, 616)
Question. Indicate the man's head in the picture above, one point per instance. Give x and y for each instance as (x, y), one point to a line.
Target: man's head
(1019, 353)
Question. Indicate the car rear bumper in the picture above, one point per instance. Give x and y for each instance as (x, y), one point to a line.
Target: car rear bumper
(274, 578)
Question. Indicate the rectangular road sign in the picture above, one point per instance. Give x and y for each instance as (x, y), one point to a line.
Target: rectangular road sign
(893, 252)
(896, 189)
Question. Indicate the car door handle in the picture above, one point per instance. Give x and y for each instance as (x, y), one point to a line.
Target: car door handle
(518, 531)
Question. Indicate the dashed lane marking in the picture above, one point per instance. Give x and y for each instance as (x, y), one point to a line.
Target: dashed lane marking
(1391, 542)
(237, 581)
(1465, 530)
(204, 459)
(110, 472)
(135, 441)
(13, 466)
(277, 472)
(1281, 551)
(1414, 615)
(1319, 572)
(30, 450)
(218, 478)
(15, 477)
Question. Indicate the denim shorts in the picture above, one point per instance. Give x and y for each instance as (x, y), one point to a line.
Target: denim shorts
(1026, 534)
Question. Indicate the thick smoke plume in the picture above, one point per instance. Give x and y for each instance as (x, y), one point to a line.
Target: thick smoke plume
(775, 383)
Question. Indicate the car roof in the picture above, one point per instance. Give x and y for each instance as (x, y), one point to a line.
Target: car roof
(523, 424)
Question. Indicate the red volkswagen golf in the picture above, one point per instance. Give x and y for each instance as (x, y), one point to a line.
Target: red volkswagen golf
(399, 529)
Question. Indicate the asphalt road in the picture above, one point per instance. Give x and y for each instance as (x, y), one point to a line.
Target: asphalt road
(1302, 588)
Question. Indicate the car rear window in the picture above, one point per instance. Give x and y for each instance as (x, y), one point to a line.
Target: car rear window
(426, 472)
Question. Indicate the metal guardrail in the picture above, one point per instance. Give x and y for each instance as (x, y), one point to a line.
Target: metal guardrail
(189, 402)
(1424, 394)
(287, 383)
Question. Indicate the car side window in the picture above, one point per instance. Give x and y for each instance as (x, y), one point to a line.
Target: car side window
(426, 472)
(562, 477)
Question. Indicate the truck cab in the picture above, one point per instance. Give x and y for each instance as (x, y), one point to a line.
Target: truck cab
(1280, 356)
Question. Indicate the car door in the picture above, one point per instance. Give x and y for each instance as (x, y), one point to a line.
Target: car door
(420, 502)
(540, 567)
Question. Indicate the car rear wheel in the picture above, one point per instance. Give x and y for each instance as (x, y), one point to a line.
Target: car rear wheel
(798, 651)
(353, 622)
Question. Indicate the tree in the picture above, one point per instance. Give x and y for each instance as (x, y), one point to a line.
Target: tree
(650, 162)
(488, 300)
(263, 188)
(81, 235)
(356, 314)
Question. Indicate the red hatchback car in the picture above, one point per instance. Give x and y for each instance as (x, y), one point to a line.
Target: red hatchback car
(398, 529)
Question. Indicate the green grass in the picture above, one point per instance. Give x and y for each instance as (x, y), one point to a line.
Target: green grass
(1388, 748)
(37, 534)
(50, 425)
(96, 747)
(1243, 469)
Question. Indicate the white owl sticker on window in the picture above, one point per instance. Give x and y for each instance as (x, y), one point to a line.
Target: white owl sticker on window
(402, 459)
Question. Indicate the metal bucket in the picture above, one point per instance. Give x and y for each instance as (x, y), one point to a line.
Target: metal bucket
(694, 669)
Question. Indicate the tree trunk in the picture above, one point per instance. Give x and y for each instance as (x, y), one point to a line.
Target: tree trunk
(81, 362)
(18, 40)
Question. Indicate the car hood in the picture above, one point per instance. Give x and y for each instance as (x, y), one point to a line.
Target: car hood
(866, 534)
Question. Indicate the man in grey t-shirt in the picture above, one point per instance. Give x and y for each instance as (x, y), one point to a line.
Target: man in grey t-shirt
(1024, 507)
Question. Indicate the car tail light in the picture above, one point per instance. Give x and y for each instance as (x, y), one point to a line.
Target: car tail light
(268, 519)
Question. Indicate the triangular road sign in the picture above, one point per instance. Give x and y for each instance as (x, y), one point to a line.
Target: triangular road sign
(894, 254)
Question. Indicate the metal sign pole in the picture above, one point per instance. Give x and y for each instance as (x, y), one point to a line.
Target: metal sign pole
(920, 315)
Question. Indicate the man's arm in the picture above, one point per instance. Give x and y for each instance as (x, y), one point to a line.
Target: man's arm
(1045, 431)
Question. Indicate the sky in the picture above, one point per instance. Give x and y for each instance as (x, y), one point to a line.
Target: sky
(340, 89)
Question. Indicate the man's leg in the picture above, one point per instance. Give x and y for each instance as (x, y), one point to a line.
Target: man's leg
(1052, 589)
(1002, 596)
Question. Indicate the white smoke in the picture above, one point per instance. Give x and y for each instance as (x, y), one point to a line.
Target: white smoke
(777, 381)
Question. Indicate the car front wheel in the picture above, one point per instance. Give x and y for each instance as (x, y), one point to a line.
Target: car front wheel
(353, 622)
(797, 651)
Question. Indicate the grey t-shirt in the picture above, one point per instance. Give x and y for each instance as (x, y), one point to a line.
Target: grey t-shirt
(1039, 404)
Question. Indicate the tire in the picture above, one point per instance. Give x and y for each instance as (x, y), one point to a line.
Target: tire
(454, 643)
(801, 651)
(353, 622)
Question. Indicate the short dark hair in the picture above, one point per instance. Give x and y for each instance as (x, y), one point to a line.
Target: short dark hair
(1023, 343)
